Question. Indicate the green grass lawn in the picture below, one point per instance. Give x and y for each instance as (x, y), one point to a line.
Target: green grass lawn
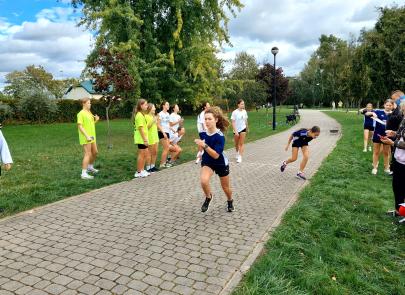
(47, 158)
(337, 238)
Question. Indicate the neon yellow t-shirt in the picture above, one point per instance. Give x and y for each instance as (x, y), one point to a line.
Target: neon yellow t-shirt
(140, 121)
(86, 119)
(153, 136)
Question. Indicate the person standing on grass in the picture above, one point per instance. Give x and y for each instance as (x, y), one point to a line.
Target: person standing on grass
(368, 127)
(164, 133)
(201, 129)
(300, 140)
(87, 137)
(380, 117)
(141, 137)
(153, 138)
(5, 155)
(213, 159)
(239, 119)
(398, 163)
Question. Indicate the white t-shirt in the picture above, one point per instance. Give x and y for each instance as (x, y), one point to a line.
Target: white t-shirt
(240, 118)
(164, 121)
(5, 155)
(175, 118)
(175, 138)
(200, 122)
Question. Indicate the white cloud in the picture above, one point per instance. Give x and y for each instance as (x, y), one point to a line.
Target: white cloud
(53, 40)
(295, 27)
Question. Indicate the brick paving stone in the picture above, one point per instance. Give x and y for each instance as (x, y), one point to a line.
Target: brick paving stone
(115, 240)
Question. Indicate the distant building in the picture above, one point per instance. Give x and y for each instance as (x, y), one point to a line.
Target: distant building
(84, 90)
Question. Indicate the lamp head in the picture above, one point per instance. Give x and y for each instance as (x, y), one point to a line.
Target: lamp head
(274, 50)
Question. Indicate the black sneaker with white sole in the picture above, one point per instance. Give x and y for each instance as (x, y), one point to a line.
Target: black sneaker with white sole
(231, 208)
(206, 204)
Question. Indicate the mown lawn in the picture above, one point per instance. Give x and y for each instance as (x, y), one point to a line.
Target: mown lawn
(337, 238)
(47, 158)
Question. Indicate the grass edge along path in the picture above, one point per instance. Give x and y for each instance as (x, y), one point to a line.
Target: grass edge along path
(47, 158)
(336, 239)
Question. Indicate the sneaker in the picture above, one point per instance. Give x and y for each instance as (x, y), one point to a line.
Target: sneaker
(369, 149)
(150, 171)
(206, 204)
(231, 208)
(145, 173)
(154, 169)
(237, 156)
(388, 171)
(283, 166)
(365, 150)
(139, 174)
(92, 170)
(301, 175)
(87, 176)
(168, 165)
(239, 159)
(374, 171)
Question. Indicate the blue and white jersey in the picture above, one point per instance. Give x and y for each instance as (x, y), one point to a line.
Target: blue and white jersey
(216, 141)
(300, 137)
(380, 128)
(368, 121)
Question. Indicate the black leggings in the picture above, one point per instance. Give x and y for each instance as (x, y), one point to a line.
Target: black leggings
(398, 186)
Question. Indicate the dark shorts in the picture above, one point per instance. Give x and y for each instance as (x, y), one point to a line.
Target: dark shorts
(299, 143)
(200, 134)
(244, 130)
(220, 170)
(142, 146)
(371, 128)
(161, 136)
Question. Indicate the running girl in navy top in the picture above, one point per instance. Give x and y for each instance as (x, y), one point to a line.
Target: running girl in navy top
(380, 117)
(213, 159)
(368, 127)
(300, 139)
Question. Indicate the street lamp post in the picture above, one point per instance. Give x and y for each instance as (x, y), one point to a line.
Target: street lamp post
(274, 51)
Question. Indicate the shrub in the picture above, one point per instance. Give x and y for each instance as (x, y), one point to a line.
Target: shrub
(5, 112)
(37, 106)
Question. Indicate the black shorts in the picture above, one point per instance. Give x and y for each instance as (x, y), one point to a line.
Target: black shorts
(371, 128)
(244, 130)
(220, 170)
(161, 136)
(142, 146)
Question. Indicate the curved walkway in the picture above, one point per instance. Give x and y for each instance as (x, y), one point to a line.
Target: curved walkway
(148, 236)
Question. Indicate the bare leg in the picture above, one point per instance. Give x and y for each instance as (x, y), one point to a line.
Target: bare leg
(154, 153)
(305, 154)
(87, 155)
(94, 152)
(165, 144)
(142, 154)
(236, 141)
(226, 187)
(294, 156)
(386, 154)
(366, 138)
(241, 147)
(376, 154)
(205, 176)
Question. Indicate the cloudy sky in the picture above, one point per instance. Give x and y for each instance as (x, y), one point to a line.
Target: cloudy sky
(44, 32)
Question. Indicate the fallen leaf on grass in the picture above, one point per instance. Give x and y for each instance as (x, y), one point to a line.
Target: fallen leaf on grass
(333, 278)
(385, 269)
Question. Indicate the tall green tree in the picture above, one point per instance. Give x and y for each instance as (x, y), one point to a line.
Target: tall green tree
(172, 42)
(244, 67)
(266, 77)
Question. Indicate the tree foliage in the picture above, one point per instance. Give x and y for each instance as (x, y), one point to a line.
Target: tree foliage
(171, 43)
(266, 77)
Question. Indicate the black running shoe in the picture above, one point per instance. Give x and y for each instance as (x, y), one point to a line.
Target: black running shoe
(204, 207)
(231, 208)
(154, 169)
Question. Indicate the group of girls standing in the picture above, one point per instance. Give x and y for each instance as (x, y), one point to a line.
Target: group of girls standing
(150, 130)
(375, 121)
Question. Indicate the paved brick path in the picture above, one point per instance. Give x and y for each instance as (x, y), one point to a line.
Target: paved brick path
(148, 236)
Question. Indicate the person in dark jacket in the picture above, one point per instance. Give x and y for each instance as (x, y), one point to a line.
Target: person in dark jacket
(396, 116)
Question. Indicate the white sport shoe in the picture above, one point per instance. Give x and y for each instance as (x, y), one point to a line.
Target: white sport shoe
(239, 159)
(87, 176)
(365, 150)
(139, 174)
(145, 173)
(369, 149)
(92, 170)
(237, 156)
(374, 171)
(388, 171)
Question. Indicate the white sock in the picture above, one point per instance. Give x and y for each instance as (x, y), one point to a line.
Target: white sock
(84, 171)
(90, 166)
(148, 167)
(152, 166)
